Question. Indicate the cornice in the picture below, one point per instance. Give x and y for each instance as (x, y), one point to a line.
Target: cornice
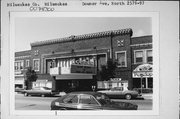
(84, 37)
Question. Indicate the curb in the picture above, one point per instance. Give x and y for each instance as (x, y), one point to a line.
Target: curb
(147, 96)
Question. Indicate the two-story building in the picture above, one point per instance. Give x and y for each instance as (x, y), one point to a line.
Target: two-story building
(142, 60)
(22, 62)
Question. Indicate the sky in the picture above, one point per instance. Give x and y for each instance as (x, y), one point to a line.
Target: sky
(29, 30)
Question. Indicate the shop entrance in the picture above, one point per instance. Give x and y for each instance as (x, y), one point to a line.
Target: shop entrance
(146, 83)
(74, 85)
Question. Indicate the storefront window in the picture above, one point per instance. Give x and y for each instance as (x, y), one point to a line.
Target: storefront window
(138, 56)
(121, 59)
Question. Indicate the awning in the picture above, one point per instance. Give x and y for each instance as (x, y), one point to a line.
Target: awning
(144, 70)
(74, 76)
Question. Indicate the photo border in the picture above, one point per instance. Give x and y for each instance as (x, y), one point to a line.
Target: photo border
(156, 77)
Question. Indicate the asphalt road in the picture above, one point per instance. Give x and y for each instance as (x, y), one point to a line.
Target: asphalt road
(43, 103)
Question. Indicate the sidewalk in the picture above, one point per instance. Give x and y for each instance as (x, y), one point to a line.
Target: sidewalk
(147, 95)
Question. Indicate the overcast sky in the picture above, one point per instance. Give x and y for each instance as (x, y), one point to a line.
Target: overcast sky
(28, 30)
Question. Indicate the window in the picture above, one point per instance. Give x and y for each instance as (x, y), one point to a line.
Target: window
(27, 63)
(138, 56)
(36, 64)
(18, 65)
(149, 56)
(121, 59)
(71, 99)
(87, 99)
(63, 63)
(143, 56)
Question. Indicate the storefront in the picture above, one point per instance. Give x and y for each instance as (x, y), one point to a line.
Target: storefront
(143, 76)
(19, 81)
(77, 75)
(75, 82)
(112, 83)
(42, 83)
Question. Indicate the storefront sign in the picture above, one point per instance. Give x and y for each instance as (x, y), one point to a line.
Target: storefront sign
(115, 79)
(82, 69)
(55, 71)
(144, 70)
(142, 74)
(86, 60)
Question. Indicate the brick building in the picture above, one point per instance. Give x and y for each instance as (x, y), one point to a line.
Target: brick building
(22, 62)
(75, 62)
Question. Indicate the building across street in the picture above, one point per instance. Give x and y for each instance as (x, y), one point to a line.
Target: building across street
(74, 63)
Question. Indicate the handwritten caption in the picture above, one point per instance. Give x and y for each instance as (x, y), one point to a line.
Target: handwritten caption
(51, 6)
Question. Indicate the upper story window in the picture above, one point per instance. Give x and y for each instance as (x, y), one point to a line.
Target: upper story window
(143, 56)
(138, 56)
(36, 64)
(19, 65)
(149, 56)
(27, 63)
(121, 59)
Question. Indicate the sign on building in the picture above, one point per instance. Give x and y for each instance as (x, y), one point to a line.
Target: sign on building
(144, 70)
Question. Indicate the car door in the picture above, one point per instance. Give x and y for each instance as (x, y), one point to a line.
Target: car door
(117, 92)
(88, 102)
(69, 103)
(120, 92)
(35, 91)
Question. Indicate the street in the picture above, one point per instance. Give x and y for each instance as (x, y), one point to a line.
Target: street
(43, 103)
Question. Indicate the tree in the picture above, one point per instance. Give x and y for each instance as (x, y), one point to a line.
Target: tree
(108, 71)
(31, 76)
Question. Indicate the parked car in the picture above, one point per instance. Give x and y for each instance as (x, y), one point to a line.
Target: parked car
(89, 101)
(40, 91)
(19, 90)
(120, 92)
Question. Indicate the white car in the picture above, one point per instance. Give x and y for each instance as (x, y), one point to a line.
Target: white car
(120, 92)
(40, 91)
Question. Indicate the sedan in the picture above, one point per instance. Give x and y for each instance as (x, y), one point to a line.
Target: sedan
(120, 92)
(89, 101)
(40, 91)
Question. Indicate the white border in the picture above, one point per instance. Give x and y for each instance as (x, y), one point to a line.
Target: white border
(155, 33)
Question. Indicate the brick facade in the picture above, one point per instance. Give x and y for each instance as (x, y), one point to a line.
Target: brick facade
(21, 65)
(103, 44)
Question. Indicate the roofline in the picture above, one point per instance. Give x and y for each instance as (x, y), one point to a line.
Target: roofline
(142, 36)
(85, 36)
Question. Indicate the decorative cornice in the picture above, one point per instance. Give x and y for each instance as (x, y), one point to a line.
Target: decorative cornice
(143, 44)
(23, 57)
(85, 36)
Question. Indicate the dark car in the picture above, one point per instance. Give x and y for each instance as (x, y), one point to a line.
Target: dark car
(89, 101)
(40, 91)
(120, 92)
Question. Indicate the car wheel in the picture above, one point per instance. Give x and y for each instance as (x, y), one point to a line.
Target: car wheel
(128, 96)
(25, 94)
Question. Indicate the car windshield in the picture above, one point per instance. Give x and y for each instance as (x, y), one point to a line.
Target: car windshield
(103, 99)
